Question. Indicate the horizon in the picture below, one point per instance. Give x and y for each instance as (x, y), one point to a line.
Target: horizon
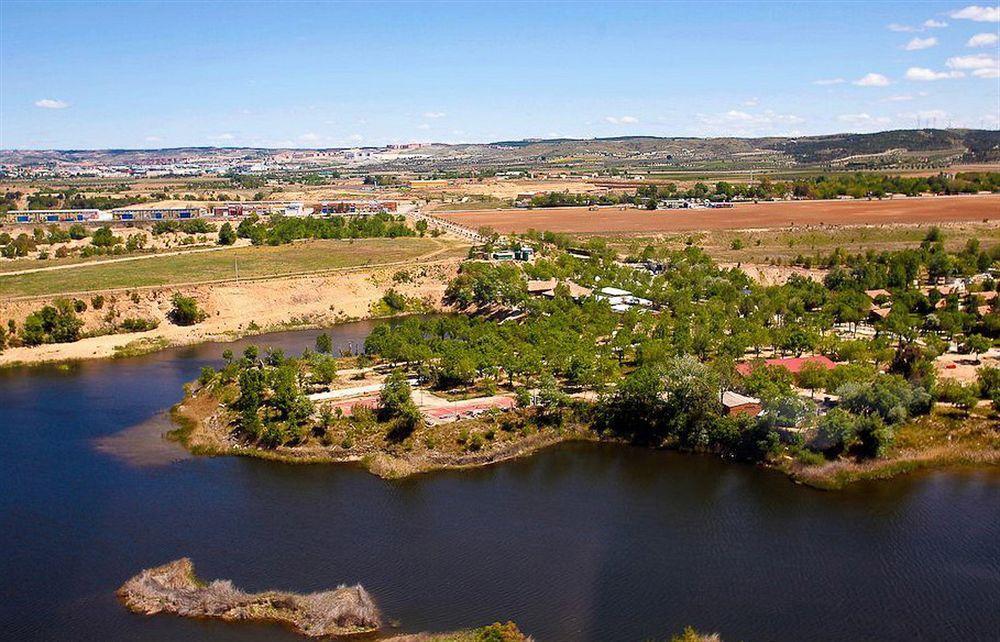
(492, 142)
(243, 76)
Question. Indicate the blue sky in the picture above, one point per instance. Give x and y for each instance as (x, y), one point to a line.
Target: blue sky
(323, 74)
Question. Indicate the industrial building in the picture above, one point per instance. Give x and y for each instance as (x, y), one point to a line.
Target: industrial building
(55, 216)
(334, 208)
(241, 209)
(156, 213)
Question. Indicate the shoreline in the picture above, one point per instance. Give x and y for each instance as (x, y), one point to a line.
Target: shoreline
(202, 440)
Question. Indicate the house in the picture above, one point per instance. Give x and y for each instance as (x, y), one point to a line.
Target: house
(524, 253)
(734, 404)
(540, 286)
(503, 255)
(874, 294)
(879, 313)
(792, 364)
(547, 288)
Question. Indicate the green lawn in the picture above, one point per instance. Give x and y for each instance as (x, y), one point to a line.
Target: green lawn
(253, 262)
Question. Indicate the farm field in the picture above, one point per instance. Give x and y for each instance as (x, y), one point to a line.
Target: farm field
(745, 216)
(254, 262)
(762, 246)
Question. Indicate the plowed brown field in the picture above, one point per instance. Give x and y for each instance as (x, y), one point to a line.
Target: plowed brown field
(928, 209)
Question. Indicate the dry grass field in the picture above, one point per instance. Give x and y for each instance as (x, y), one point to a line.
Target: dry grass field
(254, 262)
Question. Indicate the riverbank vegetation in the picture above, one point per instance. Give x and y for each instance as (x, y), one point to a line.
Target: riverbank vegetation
(653, 372)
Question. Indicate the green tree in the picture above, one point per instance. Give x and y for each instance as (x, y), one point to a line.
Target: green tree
(56, 323)
(324, 344)
(837, 429)
(104, 238)
(185, 310)
(227, 235)
(976, 344)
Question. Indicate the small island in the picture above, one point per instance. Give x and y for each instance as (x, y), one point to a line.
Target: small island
(174, 588)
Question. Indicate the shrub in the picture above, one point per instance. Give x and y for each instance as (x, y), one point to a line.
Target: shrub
(989, 381)
(139, 325)
(206, 376)
(52, 324)
(185, 310)
(97, 302)
(394, 301)
(77, 231)
(104, 238)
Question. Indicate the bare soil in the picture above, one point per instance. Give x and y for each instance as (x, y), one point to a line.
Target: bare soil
(771, 215)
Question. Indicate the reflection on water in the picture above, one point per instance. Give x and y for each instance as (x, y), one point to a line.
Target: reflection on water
(144, 444)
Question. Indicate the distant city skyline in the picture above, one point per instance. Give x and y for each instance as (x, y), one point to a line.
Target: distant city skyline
(81, 75)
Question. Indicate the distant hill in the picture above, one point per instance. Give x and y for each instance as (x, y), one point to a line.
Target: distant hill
(898, 148)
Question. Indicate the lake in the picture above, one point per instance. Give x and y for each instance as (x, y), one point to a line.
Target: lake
(579, 542)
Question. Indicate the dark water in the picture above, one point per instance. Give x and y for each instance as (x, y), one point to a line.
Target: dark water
(581, 542)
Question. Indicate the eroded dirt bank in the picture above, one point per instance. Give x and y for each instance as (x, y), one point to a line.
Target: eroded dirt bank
(233, 310)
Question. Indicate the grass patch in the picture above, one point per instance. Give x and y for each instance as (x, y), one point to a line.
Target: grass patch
(253, 262)
(139, 347)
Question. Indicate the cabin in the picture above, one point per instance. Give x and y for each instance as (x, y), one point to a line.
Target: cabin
(735, 404)
(547, 288)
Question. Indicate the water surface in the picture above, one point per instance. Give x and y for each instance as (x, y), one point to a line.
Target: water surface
(581, 542)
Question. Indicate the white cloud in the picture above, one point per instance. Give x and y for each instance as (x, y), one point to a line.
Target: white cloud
(423, 126)
(982, 40)
(922, 74)
(935, 24)
(152, 139)
(309, 137)
(225, 136)
(434, 114)
(977, 14)
(899, 98)
(50, 103)
(829, 81)
(736, 117)
(978, 61)
(982, 66)
(920, 43)
(752, 102)
(902, 28)
(872, 80)
(863, 119)
(621, 120)
(356, 138)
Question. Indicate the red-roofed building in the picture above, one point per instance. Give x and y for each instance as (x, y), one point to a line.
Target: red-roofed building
(792, 364)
